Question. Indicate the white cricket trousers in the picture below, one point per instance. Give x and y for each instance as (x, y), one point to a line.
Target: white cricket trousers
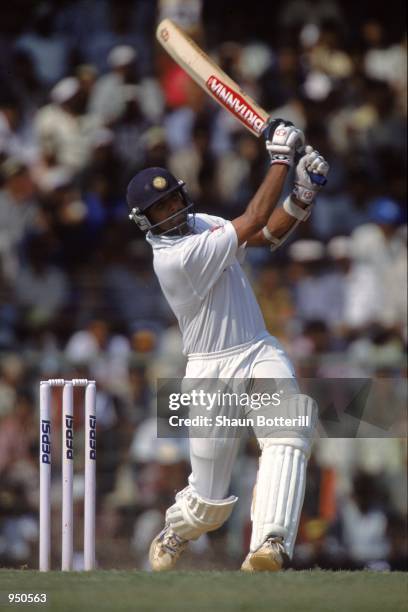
(212, 459)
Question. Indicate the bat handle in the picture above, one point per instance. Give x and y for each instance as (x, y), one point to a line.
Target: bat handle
(317, 179)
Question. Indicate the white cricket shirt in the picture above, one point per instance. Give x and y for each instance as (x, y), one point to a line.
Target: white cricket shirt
(202, 279)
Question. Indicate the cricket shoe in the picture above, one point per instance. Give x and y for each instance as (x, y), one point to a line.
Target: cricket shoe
(165, 550)
(270, 557)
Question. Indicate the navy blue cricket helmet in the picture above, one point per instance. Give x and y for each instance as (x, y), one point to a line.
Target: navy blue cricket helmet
(148, 187)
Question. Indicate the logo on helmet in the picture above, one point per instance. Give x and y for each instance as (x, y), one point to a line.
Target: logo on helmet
(159, 182)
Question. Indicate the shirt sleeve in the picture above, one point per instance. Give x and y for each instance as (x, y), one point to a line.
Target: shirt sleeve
(207, 256)
(241, 253)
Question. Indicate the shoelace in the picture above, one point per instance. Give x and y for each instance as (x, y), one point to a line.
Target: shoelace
(171, 542)
(276, 540)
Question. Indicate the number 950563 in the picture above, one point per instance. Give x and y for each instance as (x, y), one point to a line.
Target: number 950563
(27, 598)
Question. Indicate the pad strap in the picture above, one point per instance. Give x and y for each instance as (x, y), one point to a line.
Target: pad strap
(193, 515)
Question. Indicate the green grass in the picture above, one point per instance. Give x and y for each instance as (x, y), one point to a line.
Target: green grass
(289, 591)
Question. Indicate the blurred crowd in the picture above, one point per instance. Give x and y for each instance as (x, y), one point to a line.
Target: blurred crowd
(88, 98)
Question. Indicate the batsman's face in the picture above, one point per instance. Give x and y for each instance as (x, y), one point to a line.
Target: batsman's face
(164, 209)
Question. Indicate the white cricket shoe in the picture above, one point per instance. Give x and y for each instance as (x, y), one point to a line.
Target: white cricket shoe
(270, 557)
(165, 550)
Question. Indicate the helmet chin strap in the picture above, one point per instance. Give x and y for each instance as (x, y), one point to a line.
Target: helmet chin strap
(177, 230)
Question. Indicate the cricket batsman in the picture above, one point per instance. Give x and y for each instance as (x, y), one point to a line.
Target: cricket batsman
(197, 259)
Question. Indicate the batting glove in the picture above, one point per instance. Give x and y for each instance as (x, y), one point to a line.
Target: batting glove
(282, 141)
(311, 165)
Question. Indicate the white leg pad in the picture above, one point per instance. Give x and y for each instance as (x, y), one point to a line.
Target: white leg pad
(302, 409)
(192, 515)
(281, 481)
(279, 495)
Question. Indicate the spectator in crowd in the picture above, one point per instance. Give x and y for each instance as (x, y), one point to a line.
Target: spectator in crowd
(362, 524)
(380, 247)
(129, 129)
(19, 214)
(63, 128)
(131, 288)
(383, 61)
(111, 92)
(14, 140)
(356, 292)
(41, 289)
(113, 28)
(311, 286)
(196, 165)
(48, 49)
(105, 354)
(275, 301)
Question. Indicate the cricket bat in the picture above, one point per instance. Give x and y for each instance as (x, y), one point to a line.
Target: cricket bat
(209, 76)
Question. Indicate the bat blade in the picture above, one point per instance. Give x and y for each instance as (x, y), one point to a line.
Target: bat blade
(209, 76)
(205, 72)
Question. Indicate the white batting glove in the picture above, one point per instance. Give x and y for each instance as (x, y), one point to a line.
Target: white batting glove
(283, 140)
(306, 187)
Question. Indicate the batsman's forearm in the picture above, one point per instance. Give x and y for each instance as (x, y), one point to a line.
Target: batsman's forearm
(262, 204)
(280, 225)
(280, 222)
(267, 197)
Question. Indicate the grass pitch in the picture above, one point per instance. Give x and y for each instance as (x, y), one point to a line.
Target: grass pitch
(121, 591)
